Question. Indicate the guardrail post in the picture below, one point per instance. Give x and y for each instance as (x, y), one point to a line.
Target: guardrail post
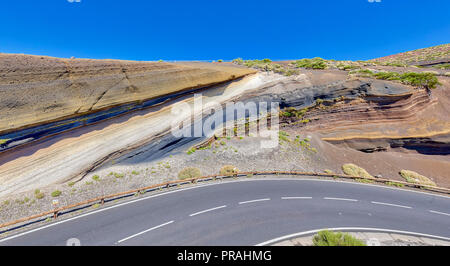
(55, 214)
(102, 201)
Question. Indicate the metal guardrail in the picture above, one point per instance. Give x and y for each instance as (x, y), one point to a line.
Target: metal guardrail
(101, 200)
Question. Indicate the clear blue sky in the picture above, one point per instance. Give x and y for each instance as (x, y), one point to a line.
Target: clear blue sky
(226, 29)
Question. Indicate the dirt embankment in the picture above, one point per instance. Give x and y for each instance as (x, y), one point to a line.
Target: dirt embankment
(38, 89)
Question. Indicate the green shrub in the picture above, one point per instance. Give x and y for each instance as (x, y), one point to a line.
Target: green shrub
(191, 151)
(365, 72)
(421, 80)
(189, 172)
(387, 75)
(228, 170)
(283, 136)
(315, 63)
(238, 61)
(328, 238)
(96, 178)
(56, 193)
(117, 175)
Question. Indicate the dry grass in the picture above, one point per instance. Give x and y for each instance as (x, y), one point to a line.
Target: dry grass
(354, 170)
(413, 177)
(189, 172)
(228, 170)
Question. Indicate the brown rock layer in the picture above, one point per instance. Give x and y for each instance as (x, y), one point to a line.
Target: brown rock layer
(38, 89)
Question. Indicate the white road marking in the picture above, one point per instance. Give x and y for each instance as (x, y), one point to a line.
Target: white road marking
(251, 201)
(389, 204)
(326, 198)
(213, 184)
(208, 210)
(105, 209)
(292, 198)
(146, 231)
(443, 213)
(355, 229)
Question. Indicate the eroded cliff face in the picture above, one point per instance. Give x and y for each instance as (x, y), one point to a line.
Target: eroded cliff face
(38, 89)
(364, 114)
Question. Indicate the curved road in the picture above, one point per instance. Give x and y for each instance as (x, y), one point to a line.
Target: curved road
(247, 212)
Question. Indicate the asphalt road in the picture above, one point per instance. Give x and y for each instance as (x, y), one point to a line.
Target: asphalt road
(247, 213)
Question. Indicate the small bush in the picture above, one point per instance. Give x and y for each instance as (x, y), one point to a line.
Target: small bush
(421, 80)
(354, 170)
(191, 151)
(283, 136)
(328, 238)
(96, 178)
(413, 177)
(238, 61)
(189, 172)
(56, 193)
(315, 63)
(117, 175)
(228, 170)
(387, 75)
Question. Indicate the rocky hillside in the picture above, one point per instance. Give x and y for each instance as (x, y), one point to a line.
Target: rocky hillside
(435, 54)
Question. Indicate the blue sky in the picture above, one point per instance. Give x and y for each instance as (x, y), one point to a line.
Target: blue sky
(212, 29)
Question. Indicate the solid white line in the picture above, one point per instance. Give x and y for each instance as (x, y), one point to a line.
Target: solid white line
(146, 231)
(326, 198)
(208, 210)
(356, 229)
(389, 204)
(443, 213)
(251, 201)
(292, 198)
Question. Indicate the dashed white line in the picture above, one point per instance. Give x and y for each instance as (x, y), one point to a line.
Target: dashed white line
(208, 210)
(389, 204)
(327, 198)
(146, 231)
(293, 198)
(251, 201)
(443, 213)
